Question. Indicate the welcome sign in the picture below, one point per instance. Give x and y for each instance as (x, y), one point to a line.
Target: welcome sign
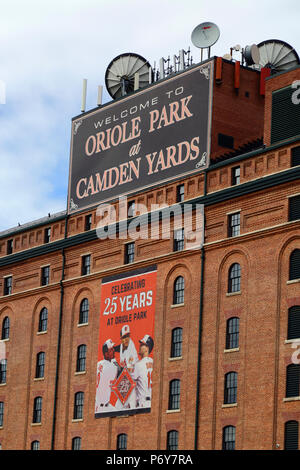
(152, 136)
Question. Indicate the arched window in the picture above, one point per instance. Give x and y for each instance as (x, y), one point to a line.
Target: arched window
(5, 328)
(174, 395)
(76, 443)
(172, 440)
(230, 388)
(232, 333)
(292, 380)
(228, 438)
(43, 320)
(291, 435)
(81, 358)
(178, 297)
(234, 278)
(84, 312)
(37, 410)
(40, 365)
(35, 445)
(122, 442)
(176, 344)
(78, 405)
(294, 322)
(295, 265)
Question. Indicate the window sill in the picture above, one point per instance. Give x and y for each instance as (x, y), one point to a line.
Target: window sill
(4, 340)
(79, 325)
(2, 385)
(230, 294)
(290, 341)
(291, 399)
(82, 372)
(229, 405)
(77, 420)
(173, 411)
(42, 332)
(293, 281)
(231, 350)
(177, 305)
(36, 424)
(38, 379)
(179, 358)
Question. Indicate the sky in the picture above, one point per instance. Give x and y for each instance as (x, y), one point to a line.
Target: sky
(48, 47)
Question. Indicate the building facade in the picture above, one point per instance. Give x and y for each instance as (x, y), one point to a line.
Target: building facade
(227, 316)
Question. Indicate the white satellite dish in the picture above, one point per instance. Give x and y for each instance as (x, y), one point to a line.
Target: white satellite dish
(205, 35)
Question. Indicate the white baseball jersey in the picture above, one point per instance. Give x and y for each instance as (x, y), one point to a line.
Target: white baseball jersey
(129, 356)
(143, 377)
(106, 373)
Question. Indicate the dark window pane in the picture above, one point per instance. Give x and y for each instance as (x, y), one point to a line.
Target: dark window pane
(45, 276)
(180, 193)
(35, 445)
(235, 175)
(1, 413)
(131, 209)
(9, 248)
(294, 322)
(86, 265)
(84, 311)
(172, 440)
(228, 438)
(179, 240)
(122, 442)
(230, 390)
(88, 222)
(8, 285)
(5, 328)
(295, 156)
(291, 435)
(129, 253)
(81, 358)
(40, 365)
(37, 410)
(295, 265)
(78, 405)
(292, 380)
(47, 235)
(3, 369)
(176, 345)
(178, 297)
(174, 395)
(234, 280)
(234, 225)
(232, 333)
(43, 320)
(76, 443)
(294, 208)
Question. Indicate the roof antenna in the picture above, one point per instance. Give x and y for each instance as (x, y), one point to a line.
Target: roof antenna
(83, 100)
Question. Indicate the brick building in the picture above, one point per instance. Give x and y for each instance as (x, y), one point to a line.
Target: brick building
(225, 374)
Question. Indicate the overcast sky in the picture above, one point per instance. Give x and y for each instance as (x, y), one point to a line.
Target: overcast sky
(48, 47)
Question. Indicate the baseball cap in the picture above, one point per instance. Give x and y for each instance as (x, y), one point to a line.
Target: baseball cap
(108, 344)
(125, 330)
(145, 339)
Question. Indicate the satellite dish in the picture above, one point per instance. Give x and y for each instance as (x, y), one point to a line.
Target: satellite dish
(277, 55)
(205, 35)
(120, 73)
(251, 54)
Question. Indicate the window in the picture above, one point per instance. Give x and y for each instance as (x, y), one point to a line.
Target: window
(5, 328)
(294, 322)
(295, 265)
(37, 410)
(122, 442)
(232, 333)
(294, 208)
(230, 389)
(226, 141)
(47, 235)
(174, 395)
(234, 278)
(1, 413)
(84, 312)
(78, 405)
(76, 443)
(35, 445)
(176, 344)
(3, 369)
(292, 380)
(180, 193)
(295, 156)
(234, 225)
(178, 296)
(43, 320)
(228, 438)
(235, 175)
(291, 435)
(172, 440)
(81, 358)
(45, 276)
(40, 365)
(87, 224)
(131, 209)
(8, 285)
(9, 247)
(179, 239)
(86, 265)
(129, 253)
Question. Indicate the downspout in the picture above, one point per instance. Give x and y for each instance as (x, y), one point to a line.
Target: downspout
(59, 340)
(200, 332)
